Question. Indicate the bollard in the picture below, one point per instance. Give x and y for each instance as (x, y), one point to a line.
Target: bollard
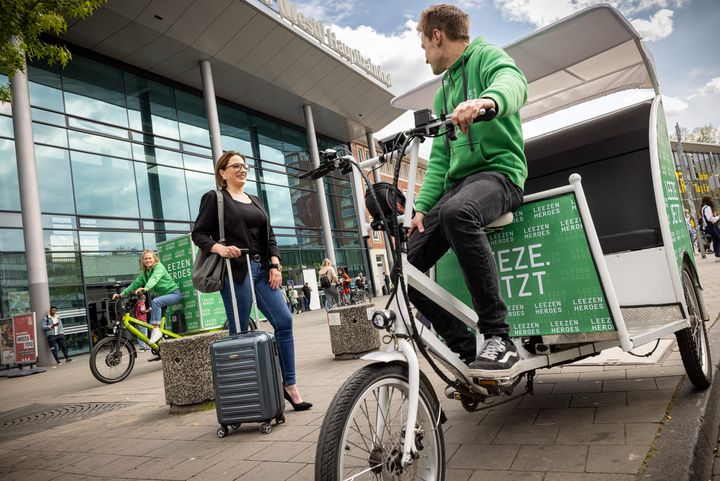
(187, 371)
(351, 332)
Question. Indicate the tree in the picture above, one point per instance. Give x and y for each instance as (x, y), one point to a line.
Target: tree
(707, 134)
(22, 29)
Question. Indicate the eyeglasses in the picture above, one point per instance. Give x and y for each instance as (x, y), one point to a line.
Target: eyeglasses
(238, 167)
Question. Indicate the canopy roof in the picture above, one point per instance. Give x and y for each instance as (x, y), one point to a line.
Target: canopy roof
(587, 55)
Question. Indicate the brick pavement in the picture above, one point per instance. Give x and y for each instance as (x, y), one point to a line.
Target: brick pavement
(585, 423)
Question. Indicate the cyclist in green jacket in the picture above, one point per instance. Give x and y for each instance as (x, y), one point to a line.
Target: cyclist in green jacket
(470, 182)
(154, 277)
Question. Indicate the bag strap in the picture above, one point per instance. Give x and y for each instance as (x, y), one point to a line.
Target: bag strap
(221, 214)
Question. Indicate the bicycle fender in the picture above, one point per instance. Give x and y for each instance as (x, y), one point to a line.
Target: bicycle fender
(384, 356)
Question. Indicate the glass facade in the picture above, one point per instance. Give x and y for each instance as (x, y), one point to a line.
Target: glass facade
(123, 159)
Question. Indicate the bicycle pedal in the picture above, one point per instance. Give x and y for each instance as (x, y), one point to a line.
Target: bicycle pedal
(153, 359)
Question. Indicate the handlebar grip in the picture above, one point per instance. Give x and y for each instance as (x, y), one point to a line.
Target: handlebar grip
(488, 115)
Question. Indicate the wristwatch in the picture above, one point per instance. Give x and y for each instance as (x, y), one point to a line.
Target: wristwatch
(276, 266)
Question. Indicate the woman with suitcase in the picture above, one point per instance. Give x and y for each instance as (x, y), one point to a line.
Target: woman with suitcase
(247, 226)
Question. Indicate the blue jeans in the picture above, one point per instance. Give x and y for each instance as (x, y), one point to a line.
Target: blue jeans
(163, 301)
(272, 303)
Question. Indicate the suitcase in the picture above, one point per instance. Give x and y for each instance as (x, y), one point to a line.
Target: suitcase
(246, 377)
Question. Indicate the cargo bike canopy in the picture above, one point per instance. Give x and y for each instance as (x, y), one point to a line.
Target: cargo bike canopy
(591, 54)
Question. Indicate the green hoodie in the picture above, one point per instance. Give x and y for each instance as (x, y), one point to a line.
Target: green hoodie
(498, 144)
(156, 279)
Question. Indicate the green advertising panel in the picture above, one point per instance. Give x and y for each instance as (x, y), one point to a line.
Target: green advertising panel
(671, 193)
(202, 311)
(546, 272)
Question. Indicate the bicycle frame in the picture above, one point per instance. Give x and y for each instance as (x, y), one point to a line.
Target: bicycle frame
(129, 323)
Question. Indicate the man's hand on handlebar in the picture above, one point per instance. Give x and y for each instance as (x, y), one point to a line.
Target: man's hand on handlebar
(466, 112)
(115, 296)
(417, 223)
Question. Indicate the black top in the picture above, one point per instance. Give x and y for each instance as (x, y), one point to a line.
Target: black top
(245, 227)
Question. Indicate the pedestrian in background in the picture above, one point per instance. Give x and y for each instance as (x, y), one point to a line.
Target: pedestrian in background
(328, 279)
(307, 292)
(710, 219)
(293, 297)
(141, 315)
(53, 328)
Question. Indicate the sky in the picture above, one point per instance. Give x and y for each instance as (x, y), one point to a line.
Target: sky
(682, 35)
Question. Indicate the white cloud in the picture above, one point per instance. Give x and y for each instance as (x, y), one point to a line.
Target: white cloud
(338, 10)
(659, 26)
(673, 106)
(544, 12)
(399, 54)
(710, 88)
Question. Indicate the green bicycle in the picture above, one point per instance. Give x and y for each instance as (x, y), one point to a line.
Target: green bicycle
(113, 358)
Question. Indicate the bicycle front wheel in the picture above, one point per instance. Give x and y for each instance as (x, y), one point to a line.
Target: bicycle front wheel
(364, 429)
(112, 360)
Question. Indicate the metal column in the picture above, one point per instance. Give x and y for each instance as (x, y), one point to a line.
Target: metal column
(319, 186)
(376, 178)
(30, 206)
(211, 109)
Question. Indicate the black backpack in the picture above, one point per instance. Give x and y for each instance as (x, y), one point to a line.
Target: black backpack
(324, 281)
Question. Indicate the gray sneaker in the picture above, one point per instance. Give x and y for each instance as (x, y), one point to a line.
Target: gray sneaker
(497, 358)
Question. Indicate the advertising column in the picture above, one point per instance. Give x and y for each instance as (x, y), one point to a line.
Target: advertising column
(200, 311)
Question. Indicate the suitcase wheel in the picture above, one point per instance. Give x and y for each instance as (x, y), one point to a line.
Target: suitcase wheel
(266, 428)
(280, 419)
(222, 431)
(235, 427)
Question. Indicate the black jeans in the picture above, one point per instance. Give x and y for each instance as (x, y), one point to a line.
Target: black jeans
(58, 342)
(457, 221)
(712, 229)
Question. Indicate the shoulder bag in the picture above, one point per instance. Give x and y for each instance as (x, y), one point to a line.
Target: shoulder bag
(209, 269)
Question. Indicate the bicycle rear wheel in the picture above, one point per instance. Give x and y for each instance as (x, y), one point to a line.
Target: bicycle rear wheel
(112, 360)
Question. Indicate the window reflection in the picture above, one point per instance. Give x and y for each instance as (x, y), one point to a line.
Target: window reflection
(63, 267)
(162, 192)
(151, 107)
(110, 241)
(67, 297)
(191, 118)
(45, 134)
(99, 144)
(94, 91)
(110, 266)
(9, 187)
(54, 180)
(6, 127)
(12, 240)
(45, 87)
(60, 240)
(279, 204)
(104, 185)
(197, 185)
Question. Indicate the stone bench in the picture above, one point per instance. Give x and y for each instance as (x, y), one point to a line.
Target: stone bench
(187, 370)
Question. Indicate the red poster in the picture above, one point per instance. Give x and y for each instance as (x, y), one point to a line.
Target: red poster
(24, 327)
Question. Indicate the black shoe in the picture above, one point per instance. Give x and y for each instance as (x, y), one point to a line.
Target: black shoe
(497, 358)
(303, 406)
(69, 360)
